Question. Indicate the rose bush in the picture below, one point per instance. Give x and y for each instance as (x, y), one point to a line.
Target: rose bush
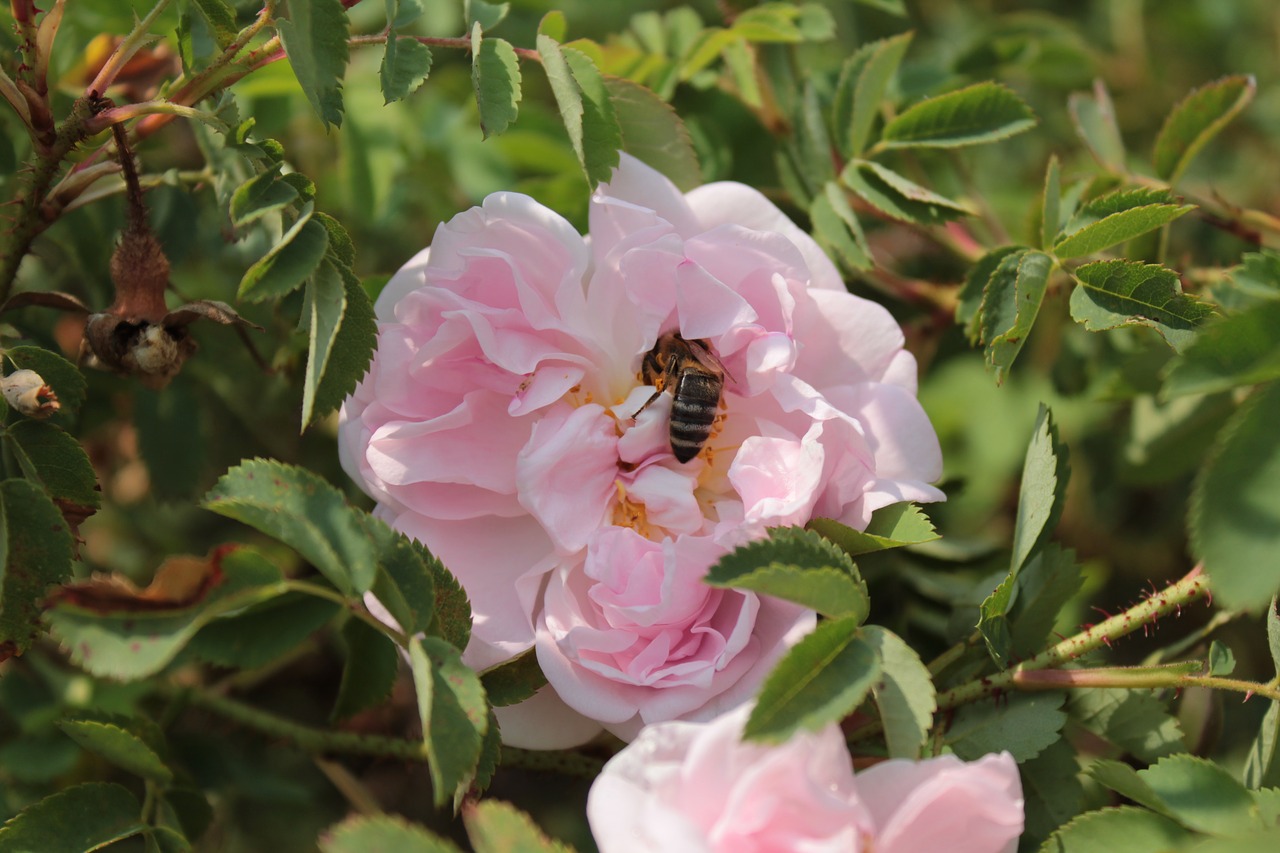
(498, 425)
(697, 787)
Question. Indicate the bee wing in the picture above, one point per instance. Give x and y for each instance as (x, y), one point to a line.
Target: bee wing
(709, 360)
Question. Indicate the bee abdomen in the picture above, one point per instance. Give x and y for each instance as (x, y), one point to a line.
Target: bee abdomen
(692, 412)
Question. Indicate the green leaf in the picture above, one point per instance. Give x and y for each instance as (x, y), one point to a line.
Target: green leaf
(972, 293)
(283, 269)
(1117, 228)
(341, 249)
(1051, 204)
(1051, 790)
(892, 7)
(261, 195)
(119, 746)
(1127, 828)
(452, 608)
(454, 716)
(894, 195)
(326, 304)
(1023, 724)
(1045, 584)
(585, 108)
(553, 25)
(365, 834)
(405, 583)
(1237, 350)
(497, 827)
(221, 19)
(78, 819)
(1137, 721)
(905, 694)
(893, 526)
(837, 229)
(263, 633)
(819, 681)
(35, 552)
(796, 565)
(495, 76)
(174, 446)
(1235, 507)
(1043, 490)
(1273, 634)
(114, 640)
(406, 62)
(487, 15)
(1221, 659)
(654, 133)
(1257, 278)
(55, 461)
(314, 35)
(1262, 766)
(369, 672)
(401, 13)
(1010, 306)
(983, 112)
(1197, 793)
(1095, 121)
(514, 680)
(869, 72)
(347, 357)
(59, 374)
(993, 620)
(301, 510)
(1122, 293)
(1197, 119)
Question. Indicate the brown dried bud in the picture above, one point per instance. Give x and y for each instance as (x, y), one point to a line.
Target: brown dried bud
(26, 392)
(151, 351)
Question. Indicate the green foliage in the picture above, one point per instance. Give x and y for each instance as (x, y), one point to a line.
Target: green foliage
(383, 832)
(495, 76)
(864, 81)
(514, 680)
(369, 672)
(314, 36)
(1236, 350)
(904, 697)
(59, 374)
(984, 112)
(1109, 220)
(653, 132)
(289, 263)
(83, 817)
(35, 552)
(451, 705)
(1112, 294)
(494, 826)
(118, 745)
(1197, 119)
(1095, 121)
(1024, 725)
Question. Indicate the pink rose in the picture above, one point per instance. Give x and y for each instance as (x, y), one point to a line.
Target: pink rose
(498, 425)
(697, 787)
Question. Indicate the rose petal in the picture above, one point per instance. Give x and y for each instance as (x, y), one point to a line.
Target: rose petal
(543, 721)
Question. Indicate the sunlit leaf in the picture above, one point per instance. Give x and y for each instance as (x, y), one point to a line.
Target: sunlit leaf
(984, 112)
(314, 34)
(406, 62)
(1124, 293)
(1197, 119)
(495, 76)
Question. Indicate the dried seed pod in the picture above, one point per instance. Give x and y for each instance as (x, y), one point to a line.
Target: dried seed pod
(26, 391)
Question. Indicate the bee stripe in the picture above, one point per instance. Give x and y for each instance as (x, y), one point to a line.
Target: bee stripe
(687, 410)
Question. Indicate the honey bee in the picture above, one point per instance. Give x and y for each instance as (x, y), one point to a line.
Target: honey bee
(696, 378)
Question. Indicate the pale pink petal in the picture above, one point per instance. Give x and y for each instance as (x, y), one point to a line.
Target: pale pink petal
(638, 185)
(407, 279)
(847, 339)
(778, 477)
(543, 721)
(707, 307)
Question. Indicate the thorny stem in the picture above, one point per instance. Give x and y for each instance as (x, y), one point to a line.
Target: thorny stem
(123, 53)
(1193, 587)
(322, 741)
(1138, 677)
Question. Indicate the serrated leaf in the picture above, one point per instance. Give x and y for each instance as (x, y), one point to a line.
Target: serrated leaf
(283, 269)
(262, 633)
(969, 302)
(1237, 350)
(837, 229)
(369, 671)
(401, 13)
(405, 583)
(350, 349)
(406, 62)
(983, 112)
(304, 512)
(893, 526)
(365, 834)
(35, 552)
(221, 19)
(1050, 204)
(1116, 201)
(993, 620)
(487, 15)
(796, 565)
(1137, 721)
(495, 76)
(1010, 306)
(261, 195)
(895, 196)
(1235, 507)
(1127, 828)
(451, 705)
(341, 249)
(490, 757)
(654, 133)
(55, 461)
(119, 746)
(1023, 724)
(1257, 278)
(497, 827)
(1273, 634)
(553, 25)
(125, 643)
(1095, 122)
(1117, 228)
(905, 694)
(1051, 790)
(1049, 579)
(1200, 795)
(452, 619)
(819, 681)
(1123, 293)
(59, 374)
(811, 139)
(586, 108)
(1262, 766)
(1197, 119)
(314, 35)
(870, 71)
(514, 680)
(1043, 490)
(1221, 660)
(78, 819)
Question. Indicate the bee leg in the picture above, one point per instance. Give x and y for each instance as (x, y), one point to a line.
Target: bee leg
(656, 395)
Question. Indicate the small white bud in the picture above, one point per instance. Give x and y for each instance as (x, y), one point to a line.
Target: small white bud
(26, 391)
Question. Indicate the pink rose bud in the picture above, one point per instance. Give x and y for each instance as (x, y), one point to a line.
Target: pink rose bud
(698, 788)
(26, 392)
(579, 427)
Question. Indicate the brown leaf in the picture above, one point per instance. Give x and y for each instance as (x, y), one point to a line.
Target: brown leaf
(45, 299)
(209, 309)
(180, 582)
